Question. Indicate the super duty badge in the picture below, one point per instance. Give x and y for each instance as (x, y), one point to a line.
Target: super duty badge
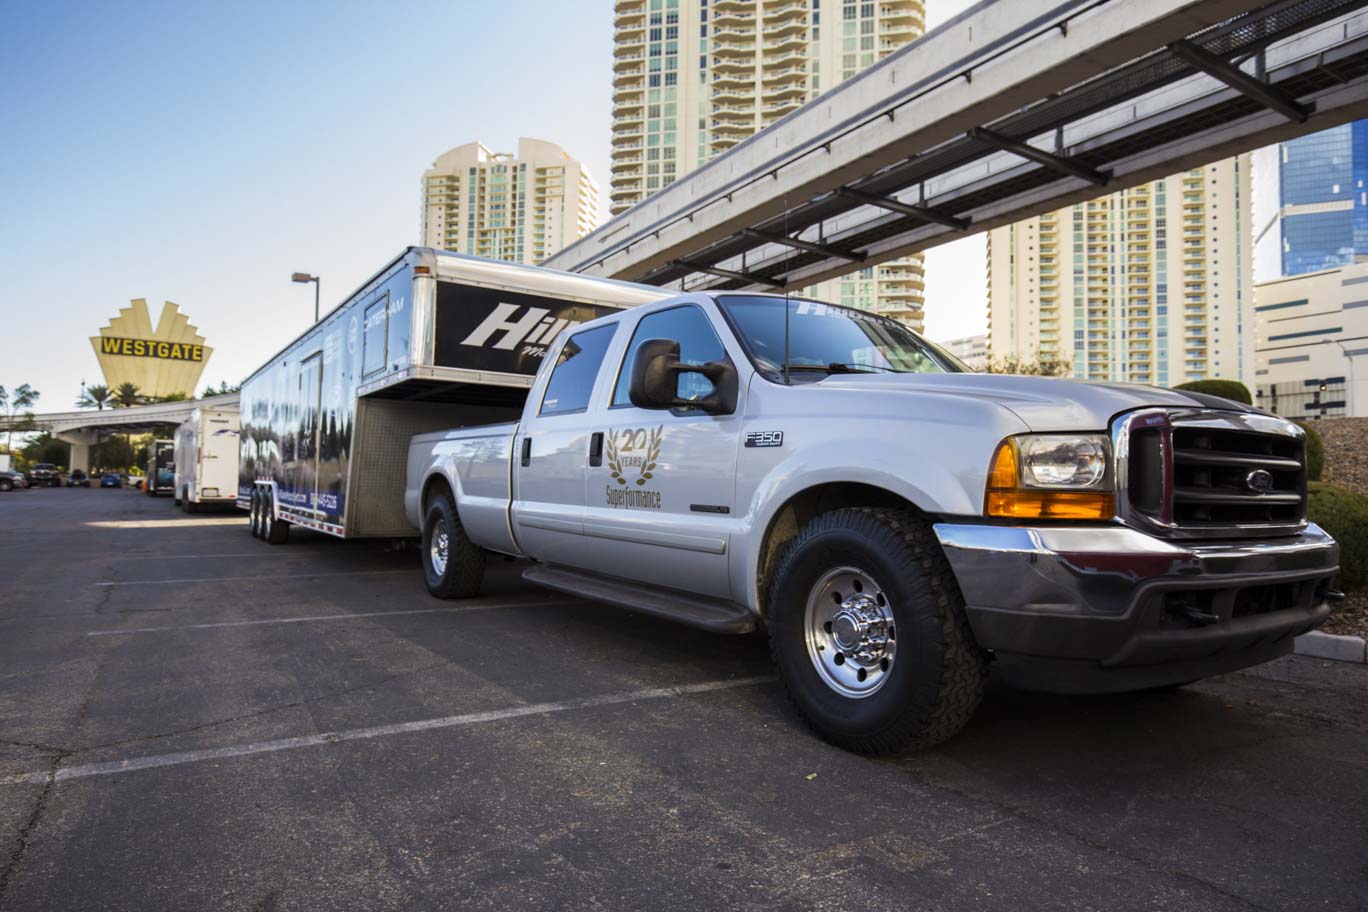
(765, 439)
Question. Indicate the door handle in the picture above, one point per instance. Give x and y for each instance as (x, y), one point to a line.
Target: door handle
(596, 449)
(527, 451)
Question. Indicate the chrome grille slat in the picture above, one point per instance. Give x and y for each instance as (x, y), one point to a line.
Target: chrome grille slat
(1263, 462)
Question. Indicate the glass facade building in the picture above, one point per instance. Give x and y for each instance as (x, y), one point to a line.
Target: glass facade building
(1314, 196)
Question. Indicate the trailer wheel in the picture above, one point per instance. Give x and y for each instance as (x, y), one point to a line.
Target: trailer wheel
(868, 631)
(452, 565)
(273, 531)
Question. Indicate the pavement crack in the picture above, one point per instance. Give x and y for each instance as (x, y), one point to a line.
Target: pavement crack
(36, 745)
(35, 817)
(1025, 816)
(265, 711)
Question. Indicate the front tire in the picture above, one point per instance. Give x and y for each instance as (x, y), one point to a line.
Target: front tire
(868, 632)
(254, 514)
(452, 565)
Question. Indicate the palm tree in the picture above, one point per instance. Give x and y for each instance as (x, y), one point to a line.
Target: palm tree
(23, 398)
(126, 396)
(94, 397)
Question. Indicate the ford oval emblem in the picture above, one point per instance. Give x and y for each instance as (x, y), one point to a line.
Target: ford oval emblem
(1259, 481)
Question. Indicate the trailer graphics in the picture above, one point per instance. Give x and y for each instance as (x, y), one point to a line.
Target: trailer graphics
(431, 341)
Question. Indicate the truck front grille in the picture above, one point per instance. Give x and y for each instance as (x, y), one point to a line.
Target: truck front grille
(1201, 474)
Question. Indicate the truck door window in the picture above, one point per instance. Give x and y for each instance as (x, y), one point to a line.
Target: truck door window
(577, 366)
(686, 325)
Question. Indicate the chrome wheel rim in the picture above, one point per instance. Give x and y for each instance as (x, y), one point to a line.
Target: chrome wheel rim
(437, 550)
(851, 637)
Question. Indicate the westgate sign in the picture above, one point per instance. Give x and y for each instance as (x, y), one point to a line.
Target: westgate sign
(143, 348)
(159, 360)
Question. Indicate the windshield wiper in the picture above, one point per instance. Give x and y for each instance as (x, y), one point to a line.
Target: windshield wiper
(841, 367)
(838, 367)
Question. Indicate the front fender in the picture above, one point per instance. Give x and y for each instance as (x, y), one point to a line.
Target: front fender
(922, 450)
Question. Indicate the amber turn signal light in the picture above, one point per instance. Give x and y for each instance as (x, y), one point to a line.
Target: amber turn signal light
(1007, 500)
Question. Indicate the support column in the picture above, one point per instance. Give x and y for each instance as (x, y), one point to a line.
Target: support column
(81, 442)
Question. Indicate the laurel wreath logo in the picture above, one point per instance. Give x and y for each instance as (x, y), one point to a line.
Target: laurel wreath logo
(652, 447)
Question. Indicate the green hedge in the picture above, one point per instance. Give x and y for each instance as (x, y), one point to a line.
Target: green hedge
(1344, 514)
(1315, 452)
(1226, 389)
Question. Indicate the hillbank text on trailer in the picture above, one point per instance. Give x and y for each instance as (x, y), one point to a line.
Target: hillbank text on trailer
(432, 341)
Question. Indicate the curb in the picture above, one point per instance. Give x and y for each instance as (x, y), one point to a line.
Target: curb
(1332, 646)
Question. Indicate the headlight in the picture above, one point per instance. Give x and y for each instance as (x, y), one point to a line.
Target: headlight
(1073, 462)
(1051, 476)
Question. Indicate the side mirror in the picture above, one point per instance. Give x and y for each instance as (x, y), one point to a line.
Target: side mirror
(654, 383)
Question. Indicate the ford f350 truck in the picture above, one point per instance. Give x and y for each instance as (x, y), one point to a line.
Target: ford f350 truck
(732, 460)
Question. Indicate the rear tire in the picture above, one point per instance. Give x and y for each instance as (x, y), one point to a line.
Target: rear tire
(452, 565)
(273, 531)
(254, 514)
(868, 632)
(6, 484)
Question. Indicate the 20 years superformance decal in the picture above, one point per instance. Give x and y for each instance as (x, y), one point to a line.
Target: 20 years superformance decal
(633, 455)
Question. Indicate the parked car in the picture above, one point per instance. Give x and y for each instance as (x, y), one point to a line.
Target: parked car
(111, 480)
(45, 474)
(77, 479)
(11, 480)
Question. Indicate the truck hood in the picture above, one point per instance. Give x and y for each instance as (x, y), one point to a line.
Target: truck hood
(1043, 403)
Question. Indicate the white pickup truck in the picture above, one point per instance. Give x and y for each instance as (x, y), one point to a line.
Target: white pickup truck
(732, 460)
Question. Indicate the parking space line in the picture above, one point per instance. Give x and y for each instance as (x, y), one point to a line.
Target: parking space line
(179, 758)
(453, 609)
(273, 576)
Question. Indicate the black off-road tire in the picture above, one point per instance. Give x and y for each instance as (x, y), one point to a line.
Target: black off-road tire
(937, 678)
(6, 484)
(273, 531)
(465, 564)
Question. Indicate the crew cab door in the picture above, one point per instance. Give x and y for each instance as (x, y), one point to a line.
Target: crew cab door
(550, 453)
(659, 502)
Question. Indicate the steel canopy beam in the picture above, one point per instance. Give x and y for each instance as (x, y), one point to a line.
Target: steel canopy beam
(1218, 68)
(746, 277)
(1045, 159)
(908, 209)
(811, 247)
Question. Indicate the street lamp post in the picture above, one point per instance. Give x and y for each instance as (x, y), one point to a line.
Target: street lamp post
(303, 278)
(1349, 403)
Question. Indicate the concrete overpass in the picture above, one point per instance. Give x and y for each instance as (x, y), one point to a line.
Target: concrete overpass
(84, 428)
(1013, 108)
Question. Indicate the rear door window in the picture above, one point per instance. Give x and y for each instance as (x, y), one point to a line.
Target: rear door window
(577, 366)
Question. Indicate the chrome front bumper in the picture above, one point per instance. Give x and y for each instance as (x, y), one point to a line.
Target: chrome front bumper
(1095, 609)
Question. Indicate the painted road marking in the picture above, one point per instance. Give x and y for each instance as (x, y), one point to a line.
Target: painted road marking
(180, 758)
(332, 617)
(273, 576)
(167, 523)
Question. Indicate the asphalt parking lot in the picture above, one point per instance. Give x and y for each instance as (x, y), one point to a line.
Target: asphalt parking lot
(191, 719)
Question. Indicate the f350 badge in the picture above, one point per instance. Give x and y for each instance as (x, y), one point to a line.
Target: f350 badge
(765, 439)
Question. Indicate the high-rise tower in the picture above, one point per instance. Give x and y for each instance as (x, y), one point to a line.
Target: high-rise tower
(692, 78)
(522, 207)
(1150, 285)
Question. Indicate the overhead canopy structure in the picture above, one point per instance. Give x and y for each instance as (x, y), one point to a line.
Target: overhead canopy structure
(1013, 108)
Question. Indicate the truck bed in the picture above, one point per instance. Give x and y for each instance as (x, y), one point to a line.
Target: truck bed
(480, 459)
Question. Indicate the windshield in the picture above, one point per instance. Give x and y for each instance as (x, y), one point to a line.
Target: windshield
(824, 339)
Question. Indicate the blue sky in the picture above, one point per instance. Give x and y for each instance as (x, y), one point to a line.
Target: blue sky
(201, 153)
